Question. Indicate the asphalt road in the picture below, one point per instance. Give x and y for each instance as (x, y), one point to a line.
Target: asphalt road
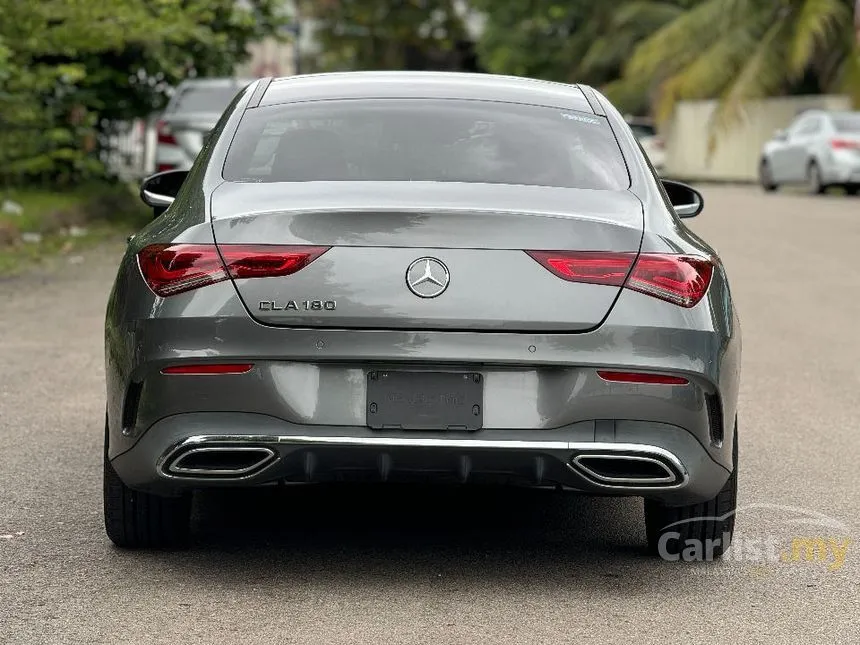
(401, 566)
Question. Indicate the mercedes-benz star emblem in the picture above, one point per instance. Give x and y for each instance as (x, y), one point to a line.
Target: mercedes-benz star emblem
(427, 277)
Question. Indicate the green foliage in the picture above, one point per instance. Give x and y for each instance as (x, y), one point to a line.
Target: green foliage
(737, 50)
(68, 67)
(572, 41)
(98, 211)
(386, 34)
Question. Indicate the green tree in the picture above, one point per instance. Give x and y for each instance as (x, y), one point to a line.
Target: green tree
(572, 41)
(387, 34)
(737, 50)
(68, 67)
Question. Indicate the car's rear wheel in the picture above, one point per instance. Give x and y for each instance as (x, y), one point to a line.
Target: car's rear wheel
(852, 189)
(765, 177)
(698, 531)
(814, 181)
(136, 520)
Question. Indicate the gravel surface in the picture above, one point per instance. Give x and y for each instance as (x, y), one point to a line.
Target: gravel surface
(371, 565)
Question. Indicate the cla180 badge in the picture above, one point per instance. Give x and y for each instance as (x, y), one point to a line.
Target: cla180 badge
(301, 305)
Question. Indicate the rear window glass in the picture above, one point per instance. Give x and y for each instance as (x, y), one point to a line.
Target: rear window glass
(425, 140)
(847, 123)
(203, 99)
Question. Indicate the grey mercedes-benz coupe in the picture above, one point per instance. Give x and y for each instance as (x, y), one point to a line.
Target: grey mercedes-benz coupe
(422, 277)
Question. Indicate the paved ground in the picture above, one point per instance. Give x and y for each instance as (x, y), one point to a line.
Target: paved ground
(317, 566)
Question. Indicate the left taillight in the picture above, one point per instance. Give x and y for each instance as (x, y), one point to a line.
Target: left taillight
(680, 279)
(164, 134)
(176, 268)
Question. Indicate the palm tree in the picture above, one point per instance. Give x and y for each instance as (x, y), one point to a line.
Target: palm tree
(737, 50)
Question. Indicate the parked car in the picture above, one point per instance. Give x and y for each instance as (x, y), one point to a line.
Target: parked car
(438, 277)
(819, 149)
(652, 142)
(193, 110)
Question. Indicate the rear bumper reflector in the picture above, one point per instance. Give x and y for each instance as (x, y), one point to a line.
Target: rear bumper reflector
(641, 377)
(209, 368)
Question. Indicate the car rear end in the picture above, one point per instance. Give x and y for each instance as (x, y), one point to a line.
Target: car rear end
(841, 157)
(580, 340)
(193, 110)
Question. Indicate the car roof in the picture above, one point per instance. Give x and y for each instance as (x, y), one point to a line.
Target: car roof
(215, 82)
(441, 85)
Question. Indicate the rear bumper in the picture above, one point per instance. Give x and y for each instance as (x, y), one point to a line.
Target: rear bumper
(531, 458)
(842, 167)
(306, 396)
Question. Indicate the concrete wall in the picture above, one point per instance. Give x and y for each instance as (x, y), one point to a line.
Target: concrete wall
(737, 153)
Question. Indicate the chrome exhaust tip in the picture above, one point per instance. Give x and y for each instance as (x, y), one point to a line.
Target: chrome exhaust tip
(629, 470)
(220, 461)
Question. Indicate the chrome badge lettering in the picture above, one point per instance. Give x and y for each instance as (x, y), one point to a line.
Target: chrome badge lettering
(302, 305)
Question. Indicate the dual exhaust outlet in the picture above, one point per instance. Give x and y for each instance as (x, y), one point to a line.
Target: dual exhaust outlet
(658, 469)
(623, 468)
(221, 461)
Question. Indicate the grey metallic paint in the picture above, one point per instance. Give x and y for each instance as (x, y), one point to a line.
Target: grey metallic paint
(540, 383)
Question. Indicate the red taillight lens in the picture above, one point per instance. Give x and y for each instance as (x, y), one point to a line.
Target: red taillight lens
(169, 270)
(165, 166)
(641, 377)
(679, 279)
(845, 144)
(164, 134)
(172, 269)
(209, 368)
(593, 267)
(268, 261)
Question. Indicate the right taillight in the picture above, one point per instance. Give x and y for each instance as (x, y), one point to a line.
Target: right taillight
(175, 268)
(845, 144)
(680, 279)
(164, 134)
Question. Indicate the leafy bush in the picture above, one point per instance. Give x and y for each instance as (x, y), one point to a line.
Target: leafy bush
(67, 68)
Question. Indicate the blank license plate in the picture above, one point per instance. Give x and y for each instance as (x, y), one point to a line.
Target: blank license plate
(425, 400)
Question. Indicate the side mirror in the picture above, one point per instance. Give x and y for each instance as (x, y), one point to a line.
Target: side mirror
(686, 200)
(159, 190)
(780, 135)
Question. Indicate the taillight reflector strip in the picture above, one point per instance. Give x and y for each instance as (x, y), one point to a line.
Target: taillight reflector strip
(173, 269)
(680, 279)
(209, 368)
(641, 377)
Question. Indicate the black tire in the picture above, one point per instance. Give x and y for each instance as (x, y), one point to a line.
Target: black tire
(852, 189)
(814, 183)
(765, 177)
(712, 535)
(136, 520)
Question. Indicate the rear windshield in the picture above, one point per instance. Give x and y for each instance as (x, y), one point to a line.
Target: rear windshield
(203, 98)
(847, 122)
(425, 140)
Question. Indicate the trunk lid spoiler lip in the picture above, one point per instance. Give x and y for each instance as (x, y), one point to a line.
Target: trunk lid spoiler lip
(252, 199)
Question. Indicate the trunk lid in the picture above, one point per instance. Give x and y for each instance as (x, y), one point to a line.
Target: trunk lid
(378, 230)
